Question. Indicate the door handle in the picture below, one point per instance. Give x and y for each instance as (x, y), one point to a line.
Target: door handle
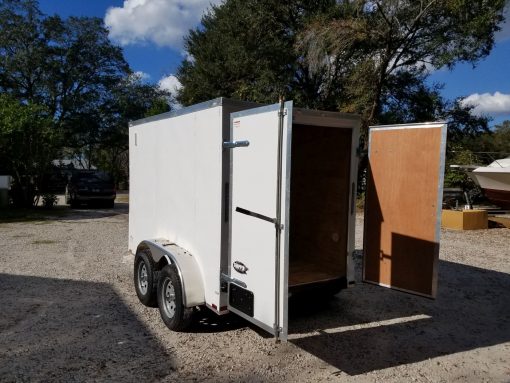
(235, 144)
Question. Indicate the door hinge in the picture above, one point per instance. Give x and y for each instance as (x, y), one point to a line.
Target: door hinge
(284, 113)
(277, 331)
(360, 151)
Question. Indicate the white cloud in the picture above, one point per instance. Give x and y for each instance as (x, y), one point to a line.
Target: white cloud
(486, 103)
(142, 76)
(170, 84)
(163, 22)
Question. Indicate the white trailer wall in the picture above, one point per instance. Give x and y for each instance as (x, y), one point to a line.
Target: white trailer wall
(177, 173)
(176, 187)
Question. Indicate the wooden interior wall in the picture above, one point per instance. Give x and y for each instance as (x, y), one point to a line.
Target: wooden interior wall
(319, 203)
(400, 248)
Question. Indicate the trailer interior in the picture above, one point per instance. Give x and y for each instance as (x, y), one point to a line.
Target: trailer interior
(319, 206)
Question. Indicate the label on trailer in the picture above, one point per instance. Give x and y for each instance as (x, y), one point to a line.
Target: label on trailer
(237, 123)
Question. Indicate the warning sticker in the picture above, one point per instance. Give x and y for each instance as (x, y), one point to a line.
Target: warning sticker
(237, 123)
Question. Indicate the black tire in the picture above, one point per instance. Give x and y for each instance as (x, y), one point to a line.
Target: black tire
(74, 204)
(109, 204)
(144, 279)
(170, 303)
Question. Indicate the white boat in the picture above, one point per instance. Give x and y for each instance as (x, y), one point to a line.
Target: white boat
(494, 180)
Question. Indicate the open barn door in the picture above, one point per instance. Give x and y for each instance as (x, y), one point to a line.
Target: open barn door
(403, 206)
(260, 169)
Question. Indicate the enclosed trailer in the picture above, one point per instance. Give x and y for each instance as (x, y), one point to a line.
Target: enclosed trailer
(237, 207)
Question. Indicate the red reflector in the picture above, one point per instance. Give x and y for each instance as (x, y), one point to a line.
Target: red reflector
(214, 307)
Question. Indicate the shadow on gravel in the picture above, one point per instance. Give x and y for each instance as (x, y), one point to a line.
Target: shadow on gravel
(64, 330)
(472, 310)
(92, 212)
(61, 213)
(206, 321)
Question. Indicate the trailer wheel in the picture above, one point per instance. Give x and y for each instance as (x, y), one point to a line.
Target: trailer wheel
(145, 285)
(73, 202)
(170, 303)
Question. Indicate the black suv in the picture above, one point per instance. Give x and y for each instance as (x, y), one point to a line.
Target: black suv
(90, 187)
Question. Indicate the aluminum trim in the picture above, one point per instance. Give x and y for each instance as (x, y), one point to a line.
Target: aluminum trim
(171, 260)
(230, 201)
(250, 319)
(327, 114)
(249, 112)
(431, 125)
(442, 155)
(407, 126)
(220, 101)
(278, 236)
(353, 180)
(288, 173)
(225, 208)
(363, 278)
(400, 289)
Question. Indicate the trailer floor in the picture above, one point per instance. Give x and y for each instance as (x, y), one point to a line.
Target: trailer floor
(69, 313)
(302, 273)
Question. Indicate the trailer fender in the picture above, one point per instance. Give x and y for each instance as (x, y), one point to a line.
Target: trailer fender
(187, 268)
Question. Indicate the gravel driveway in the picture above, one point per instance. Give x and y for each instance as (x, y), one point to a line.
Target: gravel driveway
(69, 313)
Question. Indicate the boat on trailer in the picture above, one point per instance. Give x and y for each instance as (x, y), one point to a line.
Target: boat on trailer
(494, 180)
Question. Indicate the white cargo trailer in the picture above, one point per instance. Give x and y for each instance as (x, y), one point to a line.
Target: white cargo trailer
(235, 207)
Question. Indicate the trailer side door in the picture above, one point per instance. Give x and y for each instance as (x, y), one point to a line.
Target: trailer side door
(403, 206)
(260, 168)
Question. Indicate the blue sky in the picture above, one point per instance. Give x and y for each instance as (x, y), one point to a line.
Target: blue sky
(151, 33)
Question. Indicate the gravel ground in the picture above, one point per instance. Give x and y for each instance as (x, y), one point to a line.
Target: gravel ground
(69, 313)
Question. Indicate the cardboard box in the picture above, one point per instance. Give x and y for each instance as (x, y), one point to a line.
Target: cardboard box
(464, 219)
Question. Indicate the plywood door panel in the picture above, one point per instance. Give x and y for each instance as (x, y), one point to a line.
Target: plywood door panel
(404, 183)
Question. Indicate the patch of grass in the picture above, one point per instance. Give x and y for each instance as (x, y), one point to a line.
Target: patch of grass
(12, 214)
(44, 242)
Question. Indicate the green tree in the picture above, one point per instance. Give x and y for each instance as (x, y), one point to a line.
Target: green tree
(129, 100)
(245, 49)
(28, 144)
(496, 142)
(68, 65)
(458, 178)
(71, 67)
(378, 41)
(367, 57)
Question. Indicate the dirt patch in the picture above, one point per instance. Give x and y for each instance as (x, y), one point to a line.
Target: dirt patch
(70, 313)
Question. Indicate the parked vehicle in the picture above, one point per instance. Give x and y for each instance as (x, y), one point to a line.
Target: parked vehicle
(90, 187)
(236, 208)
